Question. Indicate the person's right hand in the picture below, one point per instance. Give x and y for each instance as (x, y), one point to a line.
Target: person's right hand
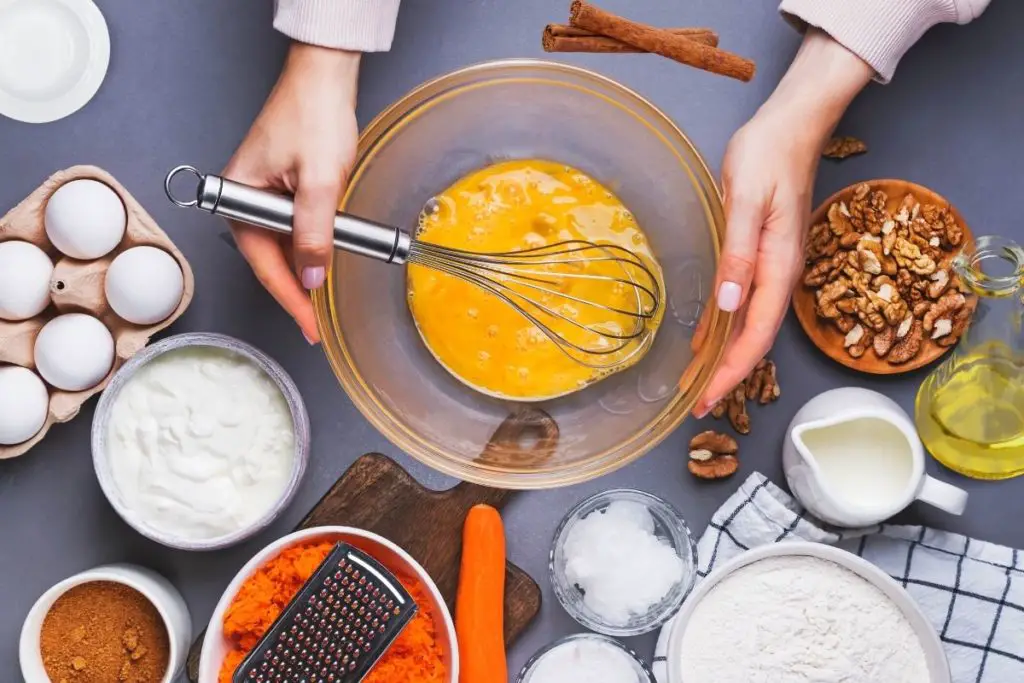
(768, 178)
(302, 143)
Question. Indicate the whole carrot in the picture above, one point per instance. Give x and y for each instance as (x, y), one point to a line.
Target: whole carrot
(480, 602)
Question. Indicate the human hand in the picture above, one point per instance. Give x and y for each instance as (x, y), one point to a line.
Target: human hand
(302, 143)
(768, 180)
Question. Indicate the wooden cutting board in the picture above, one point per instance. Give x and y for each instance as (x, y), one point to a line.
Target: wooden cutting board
(378, 495)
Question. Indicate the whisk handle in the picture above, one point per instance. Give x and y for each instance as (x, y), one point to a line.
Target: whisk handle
(236, 201)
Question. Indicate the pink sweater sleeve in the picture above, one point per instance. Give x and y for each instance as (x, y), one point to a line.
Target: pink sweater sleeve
(358, 25)
(880, 31)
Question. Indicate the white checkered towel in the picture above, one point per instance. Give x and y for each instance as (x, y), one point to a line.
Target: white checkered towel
(971, 591)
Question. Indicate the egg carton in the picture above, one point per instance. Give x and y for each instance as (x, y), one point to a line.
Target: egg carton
(77, 286)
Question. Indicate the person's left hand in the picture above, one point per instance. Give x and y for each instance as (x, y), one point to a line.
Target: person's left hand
(768, 178)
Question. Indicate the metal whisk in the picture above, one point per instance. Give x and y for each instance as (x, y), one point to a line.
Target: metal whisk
(528, 280)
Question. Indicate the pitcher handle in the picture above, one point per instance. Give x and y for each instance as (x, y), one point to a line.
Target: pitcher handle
(942, 495)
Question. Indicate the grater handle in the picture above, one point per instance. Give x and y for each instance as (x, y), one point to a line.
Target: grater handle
(239, 202)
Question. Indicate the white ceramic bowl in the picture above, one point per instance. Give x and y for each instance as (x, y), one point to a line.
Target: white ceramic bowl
(157, 589)
(101, 425)
(643, 673)
(215, 645)
(56, 54)
(938, 666)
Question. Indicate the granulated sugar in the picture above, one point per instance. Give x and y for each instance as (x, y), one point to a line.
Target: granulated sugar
(585, 660)
(800, 620)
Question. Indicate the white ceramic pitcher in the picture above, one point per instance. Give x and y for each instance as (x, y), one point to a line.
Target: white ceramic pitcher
(853, 458)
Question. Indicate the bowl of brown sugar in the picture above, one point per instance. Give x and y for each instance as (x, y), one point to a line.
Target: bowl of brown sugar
(113, 623)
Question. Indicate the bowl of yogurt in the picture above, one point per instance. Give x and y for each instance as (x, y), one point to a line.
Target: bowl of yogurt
(200, 441)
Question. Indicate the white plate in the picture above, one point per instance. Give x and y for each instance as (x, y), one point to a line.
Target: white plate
(215, 644)
(53, 57)
(935, 656)
(158, 590)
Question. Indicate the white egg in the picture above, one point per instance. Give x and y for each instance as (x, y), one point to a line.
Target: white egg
(23, 404)
(85, 219)
(25, 272)
(74, 352)
(144, 285)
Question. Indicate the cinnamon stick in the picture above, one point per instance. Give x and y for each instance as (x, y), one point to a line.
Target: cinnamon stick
(590, 18)
(562, 38)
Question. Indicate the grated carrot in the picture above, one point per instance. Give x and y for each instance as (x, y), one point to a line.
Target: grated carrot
(414, 657)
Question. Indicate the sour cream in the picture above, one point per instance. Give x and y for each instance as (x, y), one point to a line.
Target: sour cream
(200, 444)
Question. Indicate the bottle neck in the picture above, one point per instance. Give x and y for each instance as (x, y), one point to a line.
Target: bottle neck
(993, 267)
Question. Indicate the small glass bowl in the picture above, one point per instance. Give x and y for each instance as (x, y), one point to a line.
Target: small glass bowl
(643, 672)
(668, 525)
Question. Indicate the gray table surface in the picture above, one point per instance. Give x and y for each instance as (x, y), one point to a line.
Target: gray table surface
(187, 77)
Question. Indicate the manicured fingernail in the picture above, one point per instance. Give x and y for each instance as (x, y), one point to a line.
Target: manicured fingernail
(729, 294)
(700, 413)
(307, 338)
(312, 278)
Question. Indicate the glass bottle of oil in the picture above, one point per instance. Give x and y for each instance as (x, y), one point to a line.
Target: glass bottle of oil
(970, 410)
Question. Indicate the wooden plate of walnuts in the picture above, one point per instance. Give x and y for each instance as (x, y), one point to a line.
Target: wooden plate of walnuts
(878, 292)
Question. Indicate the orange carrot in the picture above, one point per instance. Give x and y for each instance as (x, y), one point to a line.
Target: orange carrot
(480, 603)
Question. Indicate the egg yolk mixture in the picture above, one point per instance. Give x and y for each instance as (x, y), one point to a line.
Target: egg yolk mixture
(515, 206)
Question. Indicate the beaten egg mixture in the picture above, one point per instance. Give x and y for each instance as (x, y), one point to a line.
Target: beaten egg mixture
(518, 205)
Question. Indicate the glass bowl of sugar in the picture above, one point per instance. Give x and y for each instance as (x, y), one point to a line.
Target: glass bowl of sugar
(622, 562)
(585, 658)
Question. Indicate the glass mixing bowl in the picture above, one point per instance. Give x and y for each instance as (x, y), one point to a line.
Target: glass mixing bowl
(466, 120)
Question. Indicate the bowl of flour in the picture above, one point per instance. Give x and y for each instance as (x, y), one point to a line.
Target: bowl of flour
(802, 613)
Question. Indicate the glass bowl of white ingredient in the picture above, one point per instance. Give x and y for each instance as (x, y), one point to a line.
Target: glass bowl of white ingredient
(200, 441)
(585, 658)
(622, 562)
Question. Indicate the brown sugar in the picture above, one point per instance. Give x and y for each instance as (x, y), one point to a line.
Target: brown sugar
(104, 632)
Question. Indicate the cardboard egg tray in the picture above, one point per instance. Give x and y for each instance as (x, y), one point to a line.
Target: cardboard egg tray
(77, 286)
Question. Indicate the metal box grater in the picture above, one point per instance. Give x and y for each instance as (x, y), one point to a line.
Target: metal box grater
(336, 628)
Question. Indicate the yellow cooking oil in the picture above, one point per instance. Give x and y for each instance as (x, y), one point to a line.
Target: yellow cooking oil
(970, 413)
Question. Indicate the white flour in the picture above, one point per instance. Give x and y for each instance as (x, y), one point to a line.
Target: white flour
(800, 620)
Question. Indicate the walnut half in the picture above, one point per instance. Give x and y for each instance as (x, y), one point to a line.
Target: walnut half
(908, 347)
(713, 455)
(884, 341)
(736, 407)
(842, 147)
(760, 385)
(947, 305)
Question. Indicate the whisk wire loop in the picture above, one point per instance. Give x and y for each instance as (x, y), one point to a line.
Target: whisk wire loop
(514, 276)
(563, 343)
(506, 294)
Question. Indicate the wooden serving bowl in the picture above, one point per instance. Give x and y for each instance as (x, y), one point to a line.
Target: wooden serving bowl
(823, 333)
